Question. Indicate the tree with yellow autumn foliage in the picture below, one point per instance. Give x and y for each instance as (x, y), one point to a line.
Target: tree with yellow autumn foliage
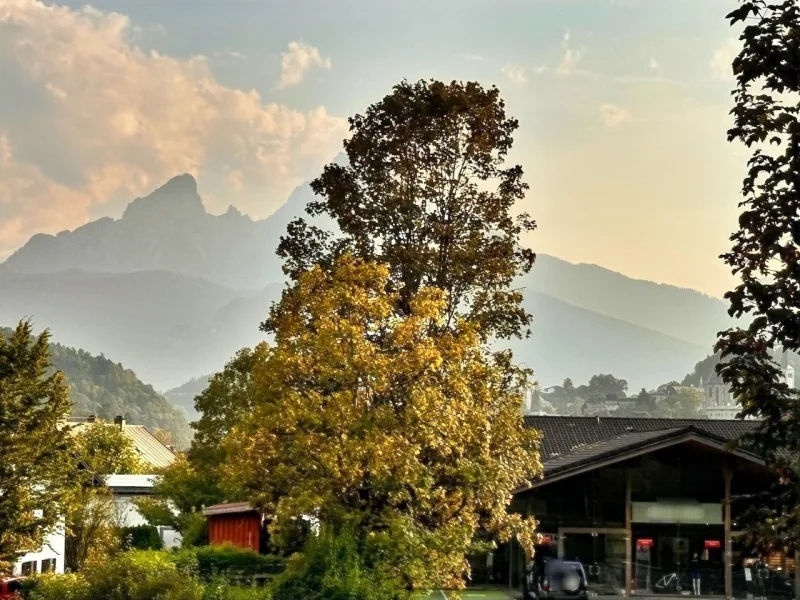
(361, 417)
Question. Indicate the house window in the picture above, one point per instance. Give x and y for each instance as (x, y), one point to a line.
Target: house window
(49, 565)
(28, 568)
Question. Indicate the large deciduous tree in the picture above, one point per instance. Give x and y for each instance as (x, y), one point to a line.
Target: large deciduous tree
(36, 463)
(92, 517)
(427, 192)
(222, 404)
(415, 439)
(765, 255)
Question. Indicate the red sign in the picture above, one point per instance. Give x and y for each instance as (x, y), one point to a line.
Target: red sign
(545, 540)
(644, 543)
(713, 544)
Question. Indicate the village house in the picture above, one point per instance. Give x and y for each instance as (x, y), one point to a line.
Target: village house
(124, 487)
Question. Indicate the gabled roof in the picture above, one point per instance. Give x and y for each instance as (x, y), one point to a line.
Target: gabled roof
(629, 445)
(590, 452)
(150, 450)
(561, 435)
(229, 509)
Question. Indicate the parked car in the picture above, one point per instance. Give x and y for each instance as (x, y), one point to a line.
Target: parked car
(10, 587)
(555, 579)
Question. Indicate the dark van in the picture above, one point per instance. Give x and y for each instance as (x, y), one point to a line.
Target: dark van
(555, 579)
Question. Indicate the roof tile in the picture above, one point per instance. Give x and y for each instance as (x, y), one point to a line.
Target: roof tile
(561, 435)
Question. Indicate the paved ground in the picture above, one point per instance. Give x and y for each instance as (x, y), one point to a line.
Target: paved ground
(468, 595)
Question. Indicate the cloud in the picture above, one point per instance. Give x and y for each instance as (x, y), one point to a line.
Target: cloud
(613, 116)
(515, 73)
(648, 79)
(298, 59)
(722, 61)
(473, 57)
(89, 119)
(570, 58)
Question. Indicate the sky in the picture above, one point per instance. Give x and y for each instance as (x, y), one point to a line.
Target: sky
(622, 104)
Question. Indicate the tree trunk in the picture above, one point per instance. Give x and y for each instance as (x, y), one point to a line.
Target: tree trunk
(796, 577)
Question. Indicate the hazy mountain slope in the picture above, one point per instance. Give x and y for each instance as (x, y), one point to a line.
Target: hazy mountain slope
(183, 396)
(101, 387)
(173, 326)
(682, 313)
(569, 341)
(167, 327)
(169, 230)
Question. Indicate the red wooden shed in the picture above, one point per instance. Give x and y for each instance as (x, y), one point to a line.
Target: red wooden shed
(236, 523)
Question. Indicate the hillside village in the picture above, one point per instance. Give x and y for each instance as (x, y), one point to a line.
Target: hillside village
(702, 394)
(363, 380)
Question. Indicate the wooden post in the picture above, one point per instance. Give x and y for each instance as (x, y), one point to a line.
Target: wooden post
(728, 559)
(796, 576)
(628, 536)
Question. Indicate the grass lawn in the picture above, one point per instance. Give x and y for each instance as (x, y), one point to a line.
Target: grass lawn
(465, 595)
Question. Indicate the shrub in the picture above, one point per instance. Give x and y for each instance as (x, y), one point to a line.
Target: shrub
(142, 575)
(332, 567)
(226, 559)
(141, 537)
(219, 589)
(194, 530)
(57, 587)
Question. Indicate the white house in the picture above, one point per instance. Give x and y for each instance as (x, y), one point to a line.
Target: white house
(50, 557)
(125, 490)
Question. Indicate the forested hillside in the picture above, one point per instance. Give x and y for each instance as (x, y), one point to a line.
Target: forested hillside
(184, 395)
(101, 387)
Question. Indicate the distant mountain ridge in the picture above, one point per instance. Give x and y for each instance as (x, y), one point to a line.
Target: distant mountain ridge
(168, 230)
(174, 292)
(100, 387)
(677, 312)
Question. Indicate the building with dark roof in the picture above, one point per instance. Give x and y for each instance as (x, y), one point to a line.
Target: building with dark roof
(642, 503)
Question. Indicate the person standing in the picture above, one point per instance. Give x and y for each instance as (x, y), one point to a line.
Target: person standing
(694, 573)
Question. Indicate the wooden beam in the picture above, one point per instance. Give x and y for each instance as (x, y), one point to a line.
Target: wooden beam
(597, 530)
(728, 558)
(628, 535)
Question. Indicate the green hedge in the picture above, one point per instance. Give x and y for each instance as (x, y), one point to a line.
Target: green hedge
(333, 567)
(141, 537)
(135, 575)
(210, 561)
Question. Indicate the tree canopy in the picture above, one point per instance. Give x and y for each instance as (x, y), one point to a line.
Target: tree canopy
(604, 385)
(765, 247)
(106, 450)
(765, 258)
(416, 438)
(36, 463)
(427, 192)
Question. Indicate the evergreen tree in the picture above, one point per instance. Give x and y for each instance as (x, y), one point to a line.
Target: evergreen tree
(36, 462)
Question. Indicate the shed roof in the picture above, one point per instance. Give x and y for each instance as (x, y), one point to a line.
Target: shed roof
(229, 508)
(130, 484)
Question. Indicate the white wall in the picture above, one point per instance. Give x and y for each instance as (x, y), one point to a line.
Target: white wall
(129, 516)
(52, 548)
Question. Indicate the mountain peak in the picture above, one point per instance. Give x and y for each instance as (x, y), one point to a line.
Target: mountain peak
(180, 184)
(177, 199)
